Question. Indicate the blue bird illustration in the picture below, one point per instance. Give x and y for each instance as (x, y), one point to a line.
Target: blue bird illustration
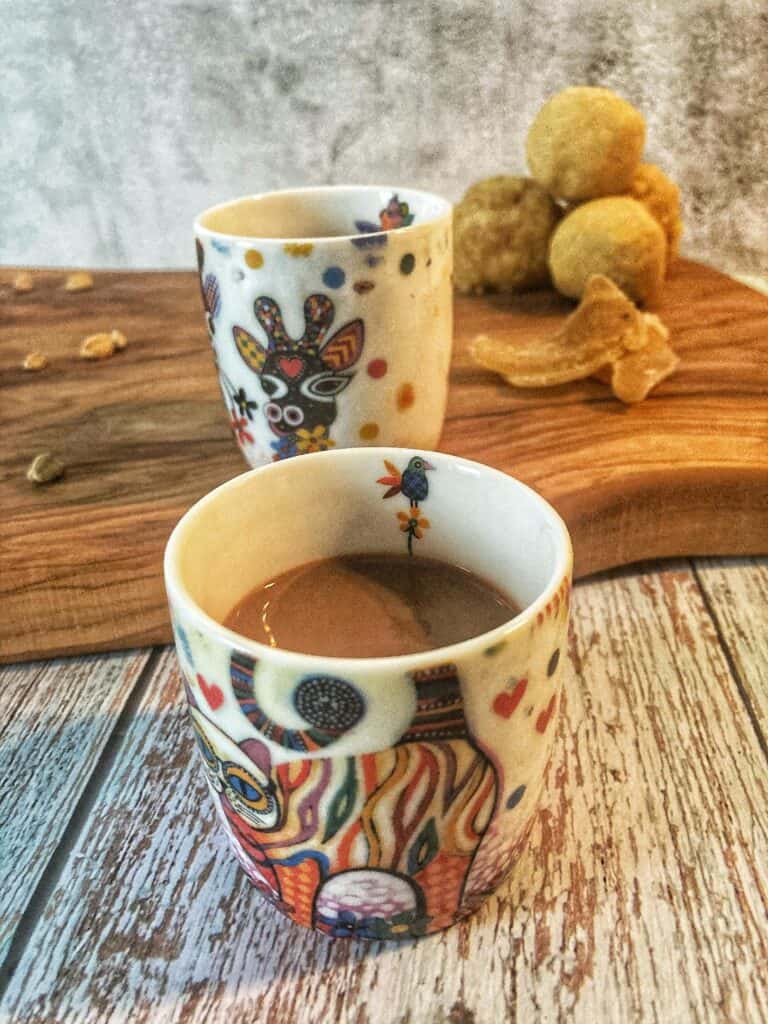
(412, 482)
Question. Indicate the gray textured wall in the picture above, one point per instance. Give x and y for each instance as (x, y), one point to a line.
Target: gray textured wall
(120, 120)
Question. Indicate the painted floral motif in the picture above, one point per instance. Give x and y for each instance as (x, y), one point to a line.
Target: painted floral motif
(414, 524)
(244, 405)
(413, 484)
(395, 214)
(241, 409)
(239, 425)
(284, 447)
(316, 440)
(301, 377)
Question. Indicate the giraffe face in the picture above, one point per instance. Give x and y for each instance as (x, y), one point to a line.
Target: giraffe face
(301, 392)
(301, 377)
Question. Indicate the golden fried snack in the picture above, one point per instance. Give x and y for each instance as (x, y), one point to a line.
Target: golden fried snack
(661, 197)
(501, 231)
(585, 142)
(603, 329)
(635, 374)
(615, 236)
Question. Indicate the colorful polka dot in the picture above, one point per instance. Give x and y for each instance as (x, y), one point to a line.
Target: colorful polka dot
(373, 261)
(553, 663)
(254, 259)
(515, 797)
(369, 431)
(334, 277)
(407, 263)
(361, 287)
(406, 396)
(494, 649)
(298, 249)
(377, 368)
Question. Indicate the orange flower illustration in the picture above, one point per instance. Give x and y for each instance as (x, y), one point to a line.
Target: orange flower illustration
(413, 522)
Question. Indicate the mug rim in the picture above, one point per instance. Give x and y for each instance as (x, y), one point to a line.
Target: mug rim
(200, 230)
(178, 593)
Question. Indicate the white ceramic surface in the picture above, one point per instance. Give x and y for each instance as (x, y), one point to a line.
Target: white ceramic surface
(330, 315)
(338, 779)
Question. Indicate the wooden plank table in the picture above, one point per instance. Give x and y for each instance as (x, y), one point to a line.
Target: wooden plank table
(641, 896)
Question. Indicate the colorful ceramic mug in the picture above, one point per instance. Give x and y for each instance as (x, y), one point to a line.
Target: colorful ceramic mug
(378, 798)
(330, 315)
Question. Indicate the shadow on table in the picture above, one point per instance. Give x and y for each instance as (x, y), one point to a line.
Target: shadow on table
(144, 900)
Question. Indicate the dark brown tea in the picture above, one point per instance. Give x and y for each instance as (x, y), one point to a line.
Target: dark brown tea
(370, 606)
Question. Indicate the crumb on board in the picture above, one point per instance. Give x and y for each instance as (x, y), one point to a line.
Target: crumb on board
(45, 468)
(23, 282)
(78, 281)
(97, 346)
(35, 361)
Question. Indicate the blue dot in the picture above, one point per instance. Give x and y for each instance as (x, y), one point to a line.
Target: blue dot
(515, 797)
(334, 277)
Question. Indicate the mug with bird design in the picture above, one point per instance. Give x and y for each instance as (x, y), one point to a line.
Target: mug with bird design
(378, 798)
(329, 312)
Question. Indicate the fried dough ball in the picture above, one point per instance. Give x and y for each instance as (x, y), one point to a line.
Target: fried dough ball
(615, 236)
(501, 233)
(661, 197)
(585, 142)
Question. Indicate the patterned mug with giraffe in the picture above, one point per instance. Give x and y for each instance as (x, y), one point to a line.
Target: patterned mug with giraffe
(378, 798)
(329, 313)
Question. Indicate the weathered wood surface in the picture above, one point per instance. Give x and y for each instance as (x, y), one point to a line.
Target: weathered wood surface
(641, 896)
(145, 434)
(738, 596)
(55, 720)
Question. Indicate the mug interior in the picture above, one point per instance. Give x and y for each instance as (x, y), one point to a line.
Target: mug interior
(314, 213)
(284, 515)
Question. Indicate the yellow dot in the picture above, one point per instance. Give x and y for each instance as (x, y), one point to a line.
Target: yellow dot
(298, 249)
(254, 259)
(405, 396)
(369, 431)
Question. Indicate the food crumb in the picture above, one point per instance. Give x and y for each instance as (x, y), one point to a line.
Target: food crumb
(98, 346)
(45, 468)
(119, 340)
(23, 282)
(35, 361)
(79, 281)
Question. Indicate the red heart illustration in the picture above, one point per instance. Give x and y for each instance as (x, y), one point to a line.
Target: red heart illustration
(543, 720)
(212, 693)
(507, 701)
(291, 367)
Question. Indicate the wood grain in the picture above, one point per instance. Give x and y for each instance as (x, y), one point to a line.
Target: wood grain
(145, 434)
(642, 895)
(738, 596)
(54, 721)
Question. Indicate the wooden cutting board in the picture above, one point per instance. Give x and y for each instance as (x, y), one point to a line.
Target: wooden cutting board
(144, 435)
